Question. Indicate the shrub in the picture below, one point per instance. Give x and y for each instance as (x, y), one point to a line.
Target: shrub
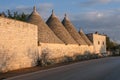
(68, 59)
(78, 57)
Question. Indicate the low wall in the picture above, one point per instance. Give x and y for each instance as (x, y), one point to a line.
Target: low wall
(60, 50)
(18, 44)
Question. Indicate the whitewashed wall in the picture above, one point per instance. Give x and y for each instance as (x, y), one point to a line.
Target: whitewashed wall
(99, 42)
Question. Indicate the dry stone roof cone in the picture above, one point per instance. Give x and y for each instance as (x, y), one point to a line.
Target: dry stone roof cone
(54, 23)
(72, 31)
(85, 37)
(45, 34)
(2, 14)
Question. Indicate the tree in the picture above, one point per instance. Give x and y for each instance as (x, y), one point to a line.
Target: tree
(110, 44)
(18, 16)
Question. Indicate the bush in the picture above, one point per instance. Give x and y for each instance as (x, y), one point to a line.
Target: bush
(78, 57)
(38, 62)
(45, 61)
(68, 59)
(86, 57)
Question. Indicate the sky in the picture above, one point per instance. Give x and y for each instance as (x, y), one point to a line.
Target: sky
(90, 15)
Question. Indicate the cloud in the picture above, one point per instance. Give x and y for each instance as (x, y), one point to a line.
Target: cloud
(104, 21)
(107, 22)
(42, 8)
(104, 1)
(45, 7)
(90, 3)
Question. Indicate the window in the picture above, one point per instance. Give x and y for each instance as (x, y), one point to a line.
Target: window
(103, 43)
(98, 42)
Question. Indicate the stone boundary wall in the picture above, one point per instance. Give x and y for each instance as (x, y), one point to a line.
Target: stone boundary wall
(55, 51)
(18, 44)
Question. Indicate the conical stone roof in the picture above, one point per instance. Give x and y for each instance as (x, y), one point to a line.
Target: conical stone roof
(85, 37)
(72, 31)
(45, 34)
(54, 23)
(2, 14)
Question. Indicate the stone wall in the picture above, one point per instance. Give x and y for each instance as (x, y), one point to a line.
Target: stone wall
(18, 45)
(54, 51)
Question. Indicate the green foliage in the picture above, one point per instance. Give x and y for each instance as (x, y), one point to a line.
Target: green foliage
(68, 59)
(86, 57)
(18, 16)
(110, 44)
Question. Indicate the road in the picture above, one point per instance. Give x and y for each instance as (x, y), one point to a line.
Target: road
(97, 69)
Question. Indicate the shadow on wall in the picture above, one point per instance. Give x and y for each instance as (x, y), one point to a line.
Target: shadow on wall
(32, 55)
(11, 60)
(5, 59)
